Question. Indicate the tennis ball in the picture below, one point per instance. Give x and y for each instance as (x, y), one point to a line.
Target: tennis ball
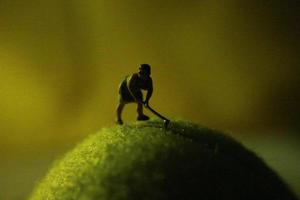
(141, 161)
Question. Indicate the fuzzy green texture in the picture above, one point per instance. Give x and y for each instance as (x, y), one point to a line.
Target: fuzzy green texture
(142, 161)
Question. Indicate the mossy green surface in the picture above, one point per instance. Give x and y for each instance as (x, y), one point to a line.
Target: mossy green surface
(143, 161)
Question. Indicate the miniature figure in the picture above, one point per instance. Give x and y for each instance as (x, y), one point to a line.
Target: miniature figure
(130, 92)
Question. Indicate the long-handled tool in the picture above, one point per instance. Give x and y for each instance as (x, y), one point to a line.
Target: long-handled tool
(166, 121)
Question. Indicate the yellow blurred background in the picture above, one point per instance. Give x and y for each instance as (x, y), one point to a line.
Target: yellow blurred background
(230, 65)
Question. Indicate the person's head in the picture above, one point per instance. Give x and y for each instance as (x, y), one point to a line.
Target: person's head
(145, 70)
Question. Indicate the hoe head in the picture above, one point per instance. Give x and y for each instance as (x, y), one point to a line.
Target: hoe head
(166, 123)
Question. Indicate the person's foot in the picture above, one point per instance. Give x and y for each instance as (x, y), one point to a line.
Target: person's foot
(119, 121)
(143, 118)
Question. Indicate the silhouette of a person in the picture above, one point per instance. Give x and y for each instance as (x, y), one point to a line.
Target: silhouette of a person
(130, 92)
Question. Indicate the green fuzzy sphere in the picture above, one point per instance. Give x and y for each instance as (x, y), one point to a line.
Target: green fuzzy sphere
(142, 161)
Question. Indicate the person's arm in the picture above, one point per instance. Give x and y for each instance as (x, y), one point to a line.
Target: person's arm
(132, 87)
(149, 91)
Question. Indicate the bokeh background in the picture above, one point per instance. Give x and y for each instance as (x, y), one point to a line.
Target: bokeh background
(230, 65)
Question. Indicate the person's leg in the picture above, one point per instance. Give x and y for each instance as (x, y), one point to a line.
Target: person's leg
(141, 115)
(140, 109)
(119, 113)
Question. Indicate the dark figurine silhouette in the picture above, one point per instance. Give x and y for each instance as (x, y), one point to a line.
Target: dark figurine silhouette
(130, 92)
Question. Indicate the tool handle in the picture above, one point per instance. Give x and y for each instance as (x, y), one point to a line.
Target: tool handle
(156, 113)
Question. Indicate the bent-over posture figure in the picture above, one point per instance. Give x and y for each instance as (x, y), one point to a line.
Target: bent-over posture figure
(130, 92)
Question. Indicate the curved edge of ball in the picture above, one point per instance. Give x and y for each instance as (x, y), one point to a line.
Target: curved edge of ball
(141, 160)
